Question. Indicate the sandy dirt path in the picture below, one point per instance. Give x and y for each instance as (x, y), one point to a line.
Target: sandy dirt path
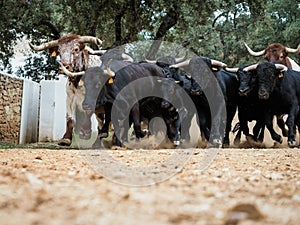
(240, 186)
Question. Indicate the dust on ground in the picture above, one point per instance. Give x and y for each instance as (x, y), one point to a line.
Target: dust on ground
(240, 186)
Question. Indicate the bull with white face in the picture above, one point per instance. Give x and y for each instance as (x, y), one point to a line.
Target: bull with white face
(76, 57)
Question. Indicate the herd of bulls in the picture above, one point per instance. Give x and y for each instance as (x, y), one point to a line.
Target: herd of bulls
(124, 92)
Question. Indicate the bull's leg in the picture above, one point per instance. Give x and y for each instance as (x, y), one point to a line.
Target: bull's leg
(177, 124)
(258, 131)
(135, 112)
(67, 138)
(243, 122)
(291, 136)
(297, 123)
(100, 118)
(230, 114)
(71, 107)
(237, 139)
(105, 128)
(281, 125)
(269, 125)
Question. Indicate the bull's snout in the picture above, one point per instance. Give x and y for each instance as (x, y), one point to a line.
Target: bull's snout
(165, 104)
(87, 107)
(196, 91)
(244, 91)
(263, 94)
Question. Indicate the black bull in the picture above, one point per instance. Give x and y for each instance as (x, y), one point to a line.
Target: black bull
(103, 89)
(279, 88)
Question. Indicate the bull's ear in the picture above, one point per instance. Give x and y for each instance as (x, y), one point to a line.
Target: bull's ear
(53, 51)
(98, 84)
(282, 69)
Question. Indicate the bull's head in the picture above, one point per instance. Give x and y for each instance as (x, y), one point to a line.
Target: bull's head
(94, 82)
(267, 75)
(169, 94)
(72, 50)
(275, 52)
(201, 68)
(247, 79)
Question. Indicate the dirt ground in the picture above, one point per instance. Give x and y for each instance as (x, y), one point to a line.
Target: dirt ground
(63, 186)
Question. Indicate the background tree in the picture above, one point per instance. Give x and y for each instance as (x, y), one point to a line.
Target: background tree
(214, 28)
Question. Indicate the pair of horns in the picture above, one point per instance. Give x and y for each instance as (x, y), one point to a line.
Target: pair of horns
(187, 62)
(51, 44)
(177, 60)
(262, 52)
(254, 66)
(107, 71)
(280, 67)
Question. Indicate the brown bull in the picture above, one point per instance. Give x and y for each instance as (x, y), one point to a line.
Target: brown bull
(76, 57)
(277, 52)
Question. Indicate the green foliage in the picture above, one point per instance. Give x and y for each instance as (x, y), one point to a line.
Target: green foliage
(214, 28)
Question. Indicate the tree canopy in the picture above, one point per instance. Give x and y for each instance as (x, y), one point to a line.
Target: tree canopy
(212, 28)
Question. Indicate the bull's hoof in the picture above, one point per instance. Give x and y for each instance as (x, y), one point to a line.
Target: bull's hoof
(176, 143)
(216, 143)
(65, 142)
(292, 144)
(278, 138)
(141, 134)
(103, 135)
(225, 145)
(85, 135)
(97, 144)
(236, 141)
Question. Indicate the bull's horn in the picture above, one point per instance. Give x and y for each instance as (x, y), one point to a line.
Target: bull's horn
(281, 67)
(90, 39)
(108, 71)
(69, 73)
(231, 70)
(95, 52)
(260, 53)
(150, 61)
(292, 50)
(127, 58)
(179, 60)
(249, 68)
(44, 46)
(218, 63)
(181, 64)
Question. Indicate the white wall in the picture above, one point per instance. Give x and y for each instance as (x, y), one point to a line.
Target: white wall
(52, 109)
(29, 115)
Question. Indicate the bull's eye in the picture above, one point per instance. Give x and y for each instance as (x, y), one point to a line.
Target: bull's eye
(76, 49)
(98, 85)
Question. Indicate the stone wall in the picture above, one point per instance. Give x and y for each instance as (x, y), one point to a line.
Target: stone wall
(10, 108)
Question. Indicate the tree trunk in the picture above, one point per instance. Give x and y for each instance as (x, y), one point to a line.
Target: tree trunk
(168, 22)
